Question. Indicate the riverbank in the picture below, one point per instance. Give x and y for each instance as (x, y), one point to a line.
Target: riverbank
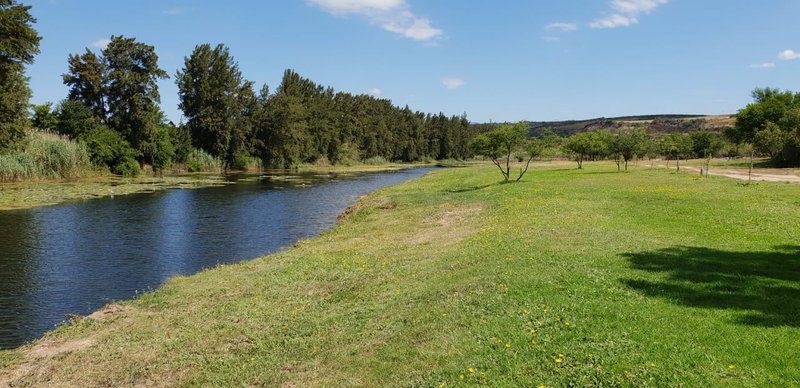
(568, 277)
(22, 195)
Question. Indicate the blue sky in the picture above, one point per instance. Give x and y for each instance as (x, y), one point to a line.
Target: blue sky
(495, 60)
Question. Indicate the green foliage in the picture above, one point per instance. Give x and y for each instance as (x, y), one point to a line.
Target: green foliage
(108, 148)
(501, 143)
(706, 144)
(216, 100)
(74, 118)
(587, 146)
(44, 118)
(86, 79)
(45, 156)
(132, 96)
(772, 122)
(181, 140)
(624, 146)
(201, 161)
(244, 161)
(19, 43)
(375, 160)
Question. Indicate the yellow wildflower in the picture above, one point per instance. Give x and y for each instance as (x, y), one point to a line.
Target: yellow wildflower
(731, 367)
(471, 370)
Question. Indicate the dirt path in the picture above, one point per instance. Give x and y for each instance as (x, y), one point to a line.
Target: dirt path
(758, 175)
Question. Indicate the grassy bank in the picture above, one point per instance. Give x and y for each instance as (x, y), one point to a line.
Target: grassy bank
(569, 277)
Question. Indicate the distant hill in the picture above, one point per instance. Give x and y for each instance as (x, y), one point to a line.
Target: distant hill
(652, 123)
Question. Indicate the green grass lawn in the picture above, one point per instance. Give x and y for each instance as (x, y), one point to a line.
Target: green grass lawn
(568, 277)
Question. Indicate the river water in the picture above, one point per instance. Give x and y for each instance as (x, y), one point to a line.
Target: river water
(75, 257)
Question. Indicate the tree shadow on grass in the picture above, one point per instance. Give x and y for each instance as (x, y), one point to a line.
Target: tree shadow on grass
(471, 188)
(763, 286)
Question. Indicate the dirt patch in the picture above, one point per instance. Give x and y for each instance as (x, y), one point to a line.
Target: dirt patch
(364, 202)
(448, 227)
(108, 311)
(36, 357)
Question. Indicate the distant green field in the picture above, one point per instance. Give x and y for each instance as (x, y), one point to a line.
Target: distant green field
(567, 278)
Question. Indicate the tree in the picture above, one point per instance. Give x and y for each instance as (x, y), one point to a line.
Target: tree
(74, 118)
(500, 143)
(19, 43)
(706, 145)
(216, 101)
(627, 145)
(132, 94)
(586, 145)
(776, 112)
(677, 146)
(86, 79)
(44, 118)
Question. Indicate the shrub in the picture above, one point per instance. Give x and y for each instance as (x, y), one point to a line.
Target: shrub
(375, 160)
(201, 161)
(45, 156)
(244, 161)
(16, 166)
(57, 157)
(108, 148)
(74, 118)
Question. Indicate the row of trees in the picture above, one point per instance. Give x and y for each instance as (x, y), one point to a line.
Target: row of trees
(503, 143)
(113, 105)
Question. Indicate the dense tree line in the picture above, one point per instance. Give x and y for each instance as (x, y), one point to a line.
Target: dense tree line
(113, 106)
(303, 122)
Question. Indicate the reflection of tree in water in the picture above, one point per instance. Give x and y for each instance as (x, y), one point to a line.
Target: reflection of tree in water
(764, 286)
(18, 239)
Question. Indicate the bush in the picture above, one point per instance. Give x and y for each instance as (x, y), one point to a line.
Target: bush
(201, 161)
(74, 118)
(108, 148)
(244, 161)
(45, 156)
(16, 167)
(375, 160)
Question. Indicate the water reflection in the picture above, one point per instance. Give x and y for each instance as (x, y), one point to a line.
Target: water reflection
(74, 258)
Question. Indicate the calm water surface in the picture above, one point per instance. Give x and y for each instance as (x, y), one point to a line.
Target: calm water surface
(75, 257)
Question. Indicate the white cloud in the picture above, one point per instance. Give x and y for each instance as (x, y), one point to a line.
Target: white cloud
(452, 83)
(788, 55)
(561, 27)
(392, 15)
(374, 92)
(626, 13)
(614, 21)
(101, 43)
(550, 39)
(765, 65)
(636, 6)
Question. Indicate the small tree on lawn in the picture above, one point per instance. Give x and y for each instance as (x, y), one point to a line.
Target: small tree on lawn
(677, 146)
(499, 145)
(707, 145)
(628, 145)
(586, 145)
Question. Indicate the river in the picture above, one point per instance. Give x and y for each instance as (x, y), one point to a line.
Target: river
(75, 257)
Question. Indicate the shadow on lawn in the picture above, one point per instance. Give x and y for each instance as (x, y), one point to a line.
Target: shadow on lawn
(764, 286)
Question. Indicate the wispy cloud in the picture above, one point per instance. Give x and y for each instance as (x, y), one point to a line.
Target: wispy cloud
(788, 55)
(101, 43)
(550, 39)
(452, 83)
(392, 15)
(374, 92)
(561, 27)
(626, 13)
(765, 65)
